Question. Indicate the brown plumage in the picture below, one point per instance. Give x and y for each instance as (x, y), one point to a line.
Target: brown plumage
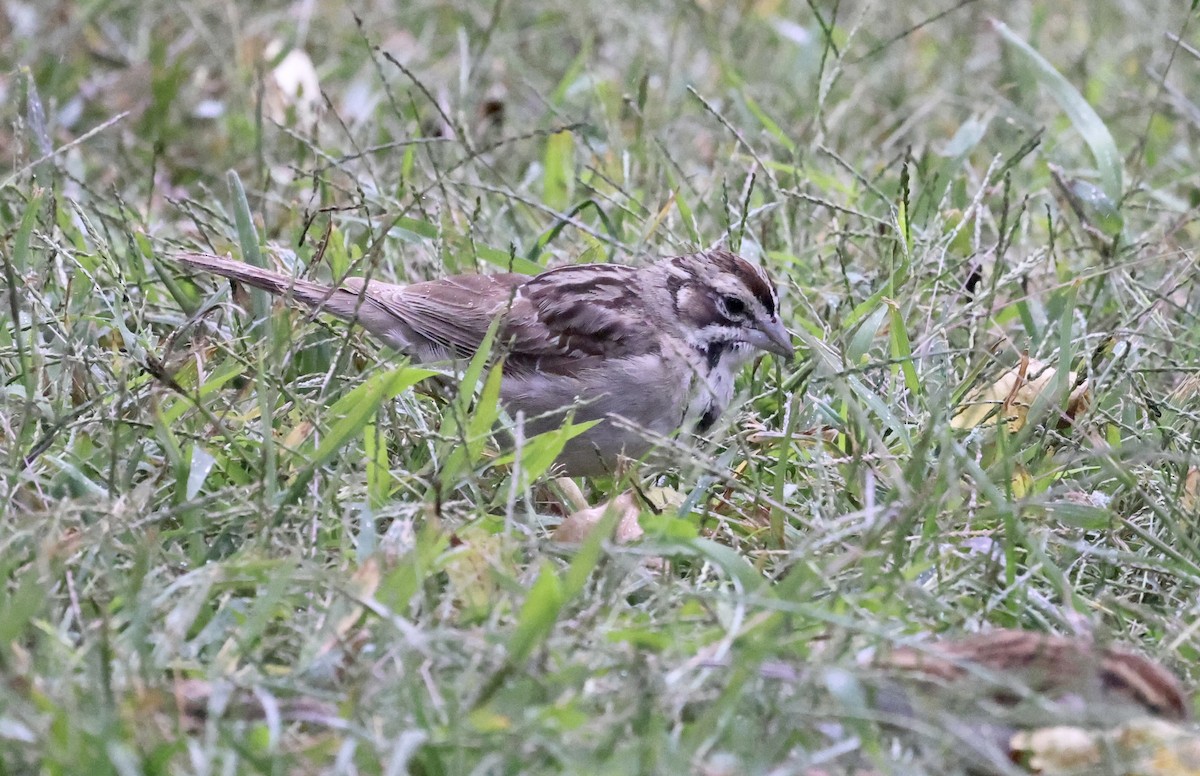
(1058, 667)
(645, 350)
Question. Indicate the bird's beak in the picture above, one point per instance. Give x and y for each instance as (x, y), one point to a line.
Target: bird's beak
(772, 337)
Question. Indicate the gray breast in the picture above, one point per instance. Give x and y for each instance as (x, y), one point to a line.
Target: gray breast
(648, 398)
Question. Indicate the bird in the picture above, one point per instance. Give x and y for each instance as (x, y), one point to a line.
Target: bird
(1075, 678)
(986, 700)
(990, 695)
(644, 350)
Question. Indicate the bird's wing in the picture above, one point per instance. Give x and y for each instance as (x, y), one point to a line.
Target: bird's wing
(573, 317)
(560, 321)
(429, 321)
(451, 314)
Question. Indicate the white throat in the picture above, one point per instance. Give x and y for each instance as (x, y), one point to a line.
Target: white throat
(717, 365)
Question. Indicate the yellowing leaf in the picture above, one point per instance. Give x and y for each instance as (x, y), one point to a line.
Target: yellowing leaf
(1022, 481)
(559, 170)
(487, 721)
(299, 434)
(469, 571)
(1146, 747)
(1012, 396)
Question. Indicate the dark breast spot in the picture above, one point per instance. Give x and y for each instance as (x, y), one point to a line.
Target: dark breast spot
(708, 419)
(713, 352)
(674, 284)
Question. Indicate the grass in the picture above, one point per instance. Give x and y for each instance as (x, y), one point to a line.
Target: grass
(222, 514)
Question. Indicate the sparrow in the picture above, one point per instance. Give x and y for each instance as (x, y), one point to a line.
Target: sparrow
(981, 703)
(990, 699)
(646, 351)
(1072, 677)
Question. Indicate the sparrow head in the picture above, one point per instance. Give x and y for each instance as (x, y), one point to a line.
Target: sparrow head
(725, 299)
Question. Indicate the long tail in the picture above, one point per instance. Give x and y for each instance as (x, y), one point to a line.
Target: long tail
(312, 294)
(353, 301)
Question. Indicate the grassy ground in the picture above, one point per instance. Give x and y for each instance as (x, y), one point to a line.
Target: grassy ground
(212, 525)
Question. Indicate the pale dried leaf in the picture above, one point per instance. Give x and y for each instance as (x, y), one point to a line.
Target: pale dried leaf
(1057, 748)
(1144, 747)
(293, 87)
(575, 527)
(299, 433)
(1164, 748)
(361, 587)
(1012, 395)
(664, 499)
(1191, 489)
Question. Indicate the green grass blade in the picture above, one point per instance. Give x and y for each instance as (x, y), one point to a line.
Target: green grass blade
(558, 169)
(351, 414)
(539, 452)
(15, 265)
(248, 241)
(1082, 116)
(457, 422)
(902, 348)
(538, 614)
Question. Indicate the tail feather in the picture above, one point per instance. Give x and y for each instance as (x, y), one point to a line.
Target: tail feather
(351, 302)
(306, 291)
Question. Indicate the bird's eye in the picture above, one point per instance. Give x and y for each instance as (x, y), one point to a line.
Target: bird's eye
(734, 307)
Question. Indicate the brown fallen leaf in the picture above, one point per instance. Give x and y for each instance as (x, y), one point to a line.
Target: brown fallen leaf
(1053, 702)
(1019, 675)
